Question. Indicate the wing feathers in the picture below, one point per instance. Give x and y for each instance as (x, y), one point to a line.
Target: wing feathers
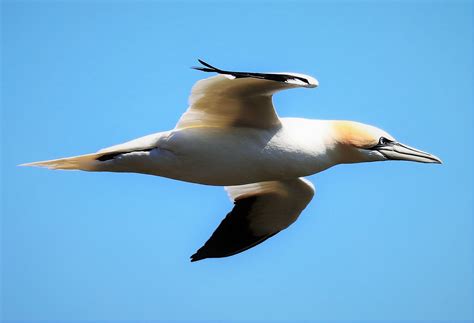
(260, 211)
(233, 235)
(238, 99)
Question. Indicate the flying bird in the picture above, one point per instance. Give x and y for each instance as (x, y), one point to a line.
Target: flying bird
(232, 136)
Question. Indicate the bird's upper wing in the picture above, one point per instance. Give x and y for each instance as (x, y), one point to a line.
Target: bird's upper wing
(260, 211)
(240, 99)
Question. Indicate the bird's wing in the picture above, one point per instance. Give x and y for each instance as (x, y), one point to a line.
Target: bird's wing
(240, 99)
(260, 211)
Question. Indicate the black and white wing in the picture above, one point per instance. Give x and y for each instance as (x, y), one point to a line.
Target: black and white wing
(240, 99)
(260, 211)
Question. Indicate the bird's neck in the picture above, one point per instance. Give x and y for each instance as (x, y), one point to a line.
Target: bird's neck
(330, 142)
(313, 139)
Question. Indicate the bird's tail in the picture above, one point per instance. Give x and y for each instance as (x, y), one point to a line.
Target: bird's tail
(87, 162)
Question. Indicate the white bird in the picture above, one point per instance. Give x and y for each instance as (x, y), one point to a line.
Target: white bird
(232, 136)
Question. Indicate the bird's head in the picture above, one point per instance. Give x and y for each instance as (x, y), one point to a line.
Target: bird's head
(359, 142)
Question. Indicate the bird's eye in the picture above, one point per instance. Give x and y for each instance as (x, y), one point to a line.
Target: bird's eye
(384, 141)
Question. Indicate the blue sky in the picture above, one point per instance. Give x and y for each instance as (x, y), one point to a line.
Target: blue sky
(381, 241)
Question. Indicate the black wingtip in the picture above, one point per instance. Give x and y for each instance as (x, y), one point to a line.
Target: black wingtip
(196, 257)
(207, 68)
(206, 64)
(203, 69)
(283, 78)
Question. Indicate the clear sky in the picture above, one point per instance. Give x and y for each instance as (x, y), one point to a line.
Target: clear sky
(386, 241)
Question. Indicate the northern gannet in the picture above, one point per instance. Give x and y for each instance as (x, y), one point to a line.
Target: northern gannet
(232, 136)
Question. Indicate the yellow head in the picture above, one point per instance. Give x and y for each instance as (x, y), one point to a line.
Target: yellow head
(358, 142)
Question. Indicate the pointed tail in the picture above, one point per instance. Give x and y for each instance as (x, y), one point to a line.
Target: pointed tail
(84, 162)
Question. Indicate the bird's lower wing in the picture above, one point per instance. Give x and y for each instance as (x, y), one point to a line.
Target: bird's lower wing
(260, 211)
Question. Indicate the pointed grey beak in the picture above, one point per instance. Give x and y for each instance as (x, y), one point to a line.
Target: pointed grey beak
(398, 151)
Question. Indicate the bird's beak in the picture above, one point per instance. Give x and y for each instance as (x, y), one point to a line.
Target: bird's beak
(398, 151)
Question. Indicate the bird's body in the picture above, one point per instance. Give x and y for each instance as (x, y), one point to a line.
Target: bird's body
(231, 156)
(231, 136)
